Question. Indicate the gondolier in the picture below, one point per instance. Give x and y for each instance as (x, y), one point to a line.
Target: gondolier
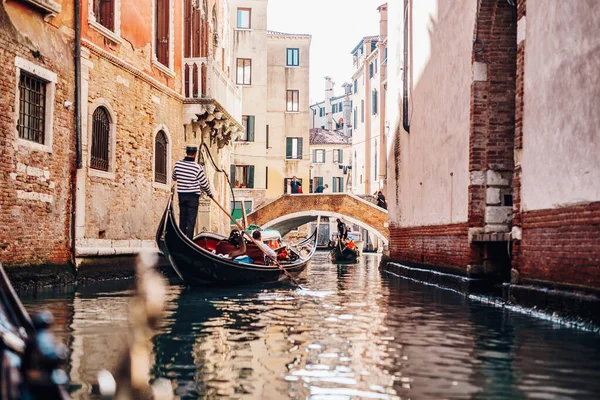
(191, 181)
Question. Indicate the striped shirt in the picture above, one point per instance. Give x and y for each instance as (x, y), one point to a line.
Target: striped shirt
(190, 177)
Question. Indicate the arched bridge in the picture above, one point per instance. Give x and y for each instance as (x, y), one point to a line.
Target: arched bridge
(290, 211)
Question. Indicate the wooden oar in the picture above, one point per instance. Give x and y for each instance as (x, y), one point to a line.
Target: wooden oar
(256, 243)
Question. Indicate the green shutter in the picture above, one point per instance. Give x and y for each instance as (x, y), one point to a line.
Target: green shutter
(333, 185)
(314, 155)
(320, 181)
(250, 128)
(266, 177)
(299, 148)
(250, 184)
(267, 133)
(232, 175)
(288, 148)
(341, 157)
(341, 185)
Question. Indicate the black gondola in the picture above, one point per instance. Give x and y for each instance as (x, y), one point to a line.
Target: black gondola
(29, 356)
(341, 253)
(197, 262)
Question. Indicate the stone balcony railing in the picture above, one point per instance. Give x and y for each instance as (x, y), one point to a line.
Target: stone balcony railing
(205, 82)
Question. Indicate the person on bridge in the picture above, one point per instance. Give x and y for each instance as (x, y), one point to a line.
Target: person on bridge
(342, 230)
(295, 185)
(191, 181)
(320, 188)
(381, 200)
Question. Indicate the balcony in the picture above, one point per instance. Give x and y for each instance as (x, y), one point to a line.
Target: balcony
(211, 98)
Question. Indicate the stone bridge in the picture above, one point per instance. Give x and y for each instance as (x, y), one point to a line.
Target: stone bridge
(290, 211)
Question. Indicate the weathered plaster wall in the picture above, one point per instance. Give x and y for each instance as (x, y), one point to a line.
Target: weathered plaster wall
(35, 183)
(428, 168)
(284, 124)
(561, 140)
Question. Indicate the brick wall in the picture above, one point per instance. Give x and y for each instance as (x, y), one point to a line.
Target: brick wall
(35, 186)
(562, 246)
(438, 245)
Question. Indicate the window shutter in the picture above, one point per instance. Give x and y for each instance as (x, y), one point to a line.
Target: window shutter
(288, 148)
(320, 178)
(341, 188)
(250, 184)
(251, 128)
(314, 155)
(162, 31)
(341, 156)
(232, 175)
(266, 177)
(333, 185)
(299, 155)
(267, 141)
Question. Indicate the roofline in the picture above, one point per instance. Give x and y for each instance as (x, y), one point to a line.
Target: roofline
(285, 34)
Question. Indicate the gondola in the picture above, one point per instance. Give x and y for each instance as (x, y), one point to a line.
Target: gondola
(198, 264)
(30, 358)
(343, 254)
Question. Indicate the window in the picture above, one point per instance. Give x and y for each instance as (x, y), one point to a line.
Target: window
(314, 110)
(375, 66)
(340, 107)
(370, 70)
(319, 156)
(244, 69)
(338, 156)
(355, 113)
(100, 139)
(317, 181)
(162, 32)
(355, 85)
(362, 111)
(321, 112)
(267, 137)
(338, 184)
(293, 57)
(248, 123)
(292, 100)
(104, 11)
(374, 102)
(242, 176)
(293, 148)
(160, 157)
(32, 108)
(243, 18)
(286, 184)
(236, 209)
(333, 108)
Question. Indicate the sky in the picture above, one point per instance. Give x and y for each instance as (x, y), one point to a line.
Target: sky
(336, 26)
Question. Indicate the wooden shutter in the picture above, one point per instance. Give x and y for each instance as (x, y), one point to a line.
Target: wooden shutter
(162, 31)
(267, 133)
(320, 180)
(299, 154)
(314, 155)
(232, 175)
(266, 177)
(334, 185)
(250, 135)
(341, 156)
(187, 28)
(250, 184)
(288, 148)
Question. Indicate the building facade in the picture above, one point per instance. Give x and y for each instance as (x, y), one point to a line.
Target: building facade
(333, 113)
(493, 173)
(37, 133)
(369, 120)
(124, 93)
(272, 70)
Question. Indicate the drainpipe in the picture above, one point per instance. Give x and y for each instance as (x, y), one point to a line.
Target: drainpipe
(405, 122)
(78, 150)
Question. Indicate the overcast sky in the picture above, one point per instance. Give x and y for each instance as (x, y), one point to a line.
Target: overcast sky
(336, 27)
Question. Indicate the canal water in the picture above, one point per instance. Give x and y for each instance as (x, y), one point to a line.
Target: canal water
(352, 333)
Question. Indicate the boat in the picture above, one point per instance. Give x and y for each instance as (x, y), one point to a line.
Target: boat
(200, 262)
(31, 358)
(344, 253)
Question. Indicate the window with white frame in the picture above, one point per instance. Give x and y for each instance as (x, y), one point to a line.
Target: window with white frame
(244, 71)
(162, 32)
(319, 155)
(105, 17)
(292, 101)
(244, 18)
(293, 148)
(338, 155)
(338, 184)
(35, 101)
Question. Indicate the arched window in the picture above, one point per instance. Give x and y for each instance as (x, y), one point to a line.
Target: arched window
(100, 139)
(160, 157)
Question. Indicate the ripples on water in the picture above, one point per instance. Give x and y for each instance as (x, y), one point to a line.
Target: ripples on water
(350, 333)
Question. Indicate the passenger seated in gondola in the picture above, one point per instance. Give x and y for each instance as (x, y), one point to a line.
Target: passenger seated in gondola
(234, 247)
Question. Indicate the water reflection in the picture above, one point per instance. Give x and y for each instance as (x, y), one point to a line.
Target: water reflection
(353, 333)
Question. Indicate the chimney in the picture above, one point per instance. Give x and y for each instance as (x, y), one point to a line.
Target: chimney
(383, 22)
(328, 95)
(347, 109)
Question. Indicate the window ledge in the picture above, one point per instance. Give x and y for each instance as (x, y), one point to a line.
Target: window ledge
(293, 159)
(242, 29)
(292, 66)
(292, 112)
(163, 68)
(51, 8)
(243, 143)
(101, 174)
(164, 187)
(35, 146)
(106, 32)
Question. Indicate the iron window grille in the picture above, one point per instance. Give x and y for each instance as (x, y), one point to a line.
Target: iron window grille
(160, 158)
(32, 108)
(100, 139)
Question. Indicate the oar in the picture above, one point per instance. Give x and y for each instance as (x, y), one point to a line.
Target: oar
(257, 245)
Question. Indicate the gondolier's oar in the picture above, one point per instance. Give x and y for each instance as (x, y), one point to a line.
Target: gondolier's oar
(256, 243)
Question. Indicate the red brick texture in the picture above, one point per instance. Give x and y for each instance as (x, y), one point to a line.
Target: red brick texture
(33, 231)
(433, 245)
(562, 246)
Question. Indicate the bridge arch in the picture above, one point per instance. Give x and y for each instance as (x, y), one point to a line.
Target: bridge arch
(291, 211)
